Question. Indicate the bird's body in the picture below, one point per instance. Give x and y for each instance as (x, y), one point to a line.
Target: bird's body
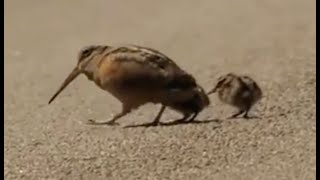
(138, 75)
(239, 91)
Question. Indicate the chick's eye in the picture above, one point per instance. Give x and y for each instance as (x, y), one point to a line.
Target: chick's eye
(220, 83)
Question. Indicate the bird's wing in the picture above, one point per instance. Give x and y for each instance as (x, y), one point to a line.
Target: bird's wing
(145, 66)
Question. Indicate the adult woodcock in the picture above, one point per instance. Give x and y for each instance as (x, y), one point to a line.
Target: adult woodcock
(137, 75)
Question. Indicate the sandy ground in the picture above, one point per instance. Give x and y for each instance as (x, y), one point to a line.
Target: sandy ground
(273, 41)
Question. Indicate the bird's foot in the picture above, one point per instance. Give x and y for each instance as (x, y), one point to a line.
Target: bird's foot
(110, 123)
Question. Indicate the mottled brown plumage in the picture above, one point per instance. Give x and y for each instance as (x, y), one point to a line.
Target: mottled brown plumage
(138, 75)
(239, 91)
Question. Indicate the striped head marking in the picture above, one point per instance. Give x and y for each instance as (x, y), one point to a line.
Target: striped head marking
(222, 80)
(86, 53)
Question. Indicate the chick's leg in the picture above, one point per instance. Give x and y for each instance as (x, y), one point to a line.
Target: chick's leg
(236, 114)
(246, 113)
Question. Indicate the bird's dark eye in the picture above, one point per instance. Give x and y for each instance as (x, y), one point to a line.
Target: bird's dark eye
(86, 52)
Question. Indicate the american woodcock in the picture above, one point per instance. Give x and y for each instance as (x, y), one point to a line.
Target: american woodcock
(138, 75)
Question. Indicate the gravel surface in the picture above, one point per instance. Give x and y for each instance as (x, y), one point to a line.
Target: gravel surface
(272, 41)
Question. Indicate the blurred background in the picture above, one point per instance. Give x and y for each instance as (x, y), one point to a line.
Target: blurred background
(272, 41)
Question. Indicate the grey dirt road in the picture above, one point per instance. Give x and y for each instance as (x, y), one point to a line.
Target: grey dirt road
(273, 41)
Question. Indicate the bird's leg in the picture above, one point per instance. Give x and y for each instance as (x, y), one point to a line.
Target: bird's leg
(112, 121)
(156, 120)
(184, 118)
(193, 116)
(246, 113)
(236, 114)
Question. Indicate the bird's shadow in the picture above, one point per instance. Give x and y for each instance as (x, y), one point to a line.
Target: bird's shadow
(241, 117)
(174, 123)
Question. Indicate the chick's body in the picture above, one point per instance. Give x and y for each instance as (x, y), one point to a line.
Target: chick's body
(239, 91)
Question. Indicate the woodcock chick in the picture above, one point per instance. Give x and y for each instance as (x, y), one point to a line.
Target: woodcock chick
(239, 91)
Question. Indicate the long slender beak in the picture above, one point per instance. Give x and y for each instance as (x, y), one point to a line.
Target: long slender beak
(75, 72)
